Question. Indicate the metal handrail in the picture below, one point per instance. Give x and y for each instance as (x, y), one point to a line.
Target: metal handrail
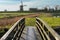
(45, 28)
(15, 26)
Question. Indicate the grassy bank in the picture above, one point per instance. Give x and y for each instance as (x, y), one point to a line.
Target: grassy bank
(52, 21)
(3, 15)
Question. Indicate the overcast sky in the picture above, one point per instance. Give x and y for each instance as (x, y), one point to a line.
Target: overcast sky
(13, 5)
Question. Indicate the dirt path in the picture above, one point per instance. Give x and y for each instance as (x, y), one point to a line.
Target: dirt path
(11, 21)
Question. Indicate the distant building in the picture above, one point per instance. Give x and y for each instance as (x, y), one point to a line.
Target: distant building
(33, 9)
(57, 7)
(51, 9)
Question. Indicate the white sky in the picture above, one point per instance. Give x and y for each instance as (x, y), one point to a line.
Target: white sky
(13, 5)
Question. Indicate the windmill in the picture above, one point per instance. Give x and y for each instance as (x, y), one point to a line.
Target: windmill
(21, 6)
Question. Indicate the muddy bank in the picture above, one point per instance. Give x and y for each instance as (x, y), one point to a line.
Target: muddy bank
(12, 20)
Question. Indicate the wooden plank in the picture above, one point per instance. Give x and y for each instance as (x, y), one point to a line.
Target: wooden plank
(31, 34)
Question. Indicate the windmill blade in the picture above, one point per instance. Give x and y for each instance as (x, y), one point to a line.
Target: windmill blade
(21, 6)
(24, 5)
(21, 2)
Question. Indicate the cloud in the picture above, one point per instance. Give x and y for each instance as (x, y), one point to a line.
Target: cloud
(32, 4)
(9, 0)
(13, 5)
(9, 7)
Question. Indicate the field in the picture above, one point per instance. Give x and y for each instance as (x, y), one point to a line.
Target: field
(50, 20)
(8, 19)
(3, 15)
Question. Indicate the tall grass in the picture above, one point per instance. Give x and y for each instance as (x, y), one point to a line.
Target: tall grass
(30, 21)
(52, 21)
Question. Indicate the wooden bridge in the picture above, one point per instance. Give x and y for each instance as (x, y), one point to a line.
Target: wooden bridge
(41, 31)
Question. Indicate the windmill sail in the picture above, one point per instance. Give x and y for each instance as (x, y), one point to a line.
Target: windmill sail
(21, 2)
(21, 6)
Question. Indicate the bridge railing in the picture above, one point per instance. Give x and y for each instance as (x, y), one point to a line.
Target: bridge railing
(14, 33)
(45, 31)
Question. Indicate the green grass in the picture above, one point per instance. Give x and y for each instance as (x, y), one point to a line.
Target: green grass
(51, 21)
(3, 15)
(30, 21)
(1, 33)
